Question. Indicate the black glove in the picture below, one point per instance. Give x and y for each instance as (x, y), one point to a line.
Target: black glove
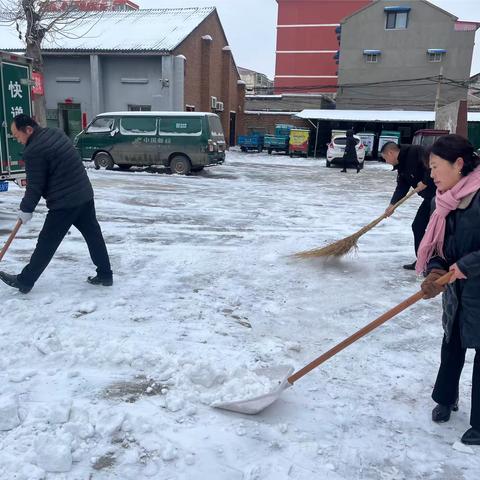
(429, 287)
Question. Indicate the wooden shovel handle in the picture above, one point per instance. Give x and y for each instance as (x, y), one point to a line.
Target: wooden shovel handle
(10, 238)
(362, 332)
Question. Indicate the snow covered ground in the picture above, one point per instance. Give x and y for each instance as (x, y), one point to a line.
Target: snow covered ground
(115, 383)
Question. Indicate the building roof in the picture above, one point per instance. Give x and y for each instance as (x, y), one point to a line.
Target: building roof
(394, 116)
(135, 30)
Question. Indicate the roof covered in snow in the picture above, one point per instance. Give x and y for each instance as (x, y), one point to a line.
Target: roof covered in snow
(369, 115)
(396, 116)
(136, 30)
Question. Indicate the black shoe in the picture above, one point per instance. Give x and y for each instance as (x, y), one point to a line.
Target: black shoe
(12, 281)
(96, 280)
(441, 413)
(344, 170)
(471, 437)
(410, 266)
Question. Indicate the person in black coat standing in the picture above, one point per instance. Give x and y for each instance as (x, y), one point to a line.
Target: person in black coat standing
(410, 161)
(350, 153)
(452, 243)
(55, 172)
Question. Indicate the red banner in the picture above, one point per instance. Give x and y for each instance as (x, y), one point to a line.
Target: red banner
(38, 87)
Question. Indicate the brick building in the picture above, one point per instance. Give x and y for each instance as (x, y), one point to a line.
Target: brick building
(307, 43)
(165, 59)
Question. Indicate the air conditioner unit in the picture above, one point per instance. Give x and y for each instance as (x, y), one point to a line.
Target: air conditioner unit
(219, 106)
(213, 102)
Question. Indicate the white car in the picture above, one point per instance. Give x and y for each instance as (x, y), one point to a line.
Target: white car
(337, 146)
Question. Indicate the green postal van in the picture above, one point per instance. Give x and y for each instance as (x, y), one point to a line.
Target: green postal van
(180, 141)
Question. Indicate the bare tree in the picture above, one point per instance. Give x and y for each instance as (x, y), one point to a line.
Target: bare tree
(37, 20)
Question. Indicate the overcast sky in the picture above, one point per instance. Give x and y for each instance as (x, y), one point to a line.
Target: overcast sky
(250, 26)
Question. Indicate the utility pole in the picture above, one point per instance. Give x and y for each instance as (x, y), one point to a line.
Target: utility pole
(437, 98)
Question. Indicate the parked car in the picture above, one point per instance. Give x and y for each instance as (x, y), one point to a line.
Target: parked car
(427, 137)
(180, 141)
(280, 141)
(337, 146)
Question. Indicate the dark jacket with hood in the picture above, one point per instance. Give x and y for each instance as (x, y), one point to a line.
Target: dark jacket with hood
(412, 168)
(350, 153)
(54, 171)
(461, 299)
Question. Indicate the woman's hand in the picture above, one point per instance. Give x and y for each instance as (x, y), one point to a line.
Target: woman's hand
(457, 273)
(429, 288)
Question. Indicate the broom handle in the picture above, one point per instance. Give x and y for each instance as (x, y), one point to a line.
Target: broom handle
(363, 331)
(368, 227)
(10, 238)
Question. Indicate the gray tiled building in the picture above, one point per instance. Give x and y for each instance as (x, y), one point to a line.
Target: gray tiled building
(392, 55)
(160, 59)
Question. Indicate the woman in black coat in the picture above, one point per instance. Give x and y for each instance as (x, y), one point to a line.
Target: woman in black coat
(452, 243)
(350, 153)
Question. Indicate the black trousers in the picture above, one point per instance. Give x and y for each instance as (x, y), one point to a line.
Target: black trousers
(445, 391)
(56, 226)
(420, 222)
(346, 161)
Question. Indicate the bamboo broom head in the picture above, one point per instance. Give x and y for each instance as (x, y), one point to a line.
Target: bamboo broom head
(336, 249)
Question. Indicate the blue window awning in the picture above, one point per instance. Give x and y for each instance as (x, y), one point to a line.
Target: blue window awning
(398, 9)
(436, 50)
(338, 29)
(372, 52)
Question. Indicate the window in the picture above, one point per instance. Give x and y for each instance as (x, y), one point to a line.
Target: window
(101, 125)
(138, 126)
(181, 125)
(372, 56)
(397, 20)
(435, 54)
(139, 108)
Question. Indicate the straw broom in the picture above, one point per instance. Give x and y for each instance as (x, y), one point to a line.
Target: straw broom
(344, 246)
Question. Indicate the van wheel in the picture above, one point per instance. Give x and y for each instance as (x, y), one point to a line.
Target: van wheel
(103, 160)
(180, 165)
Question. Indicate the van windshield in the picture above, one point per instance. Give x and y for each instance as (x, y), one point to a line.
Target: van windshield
(101, 124)
(216, 130)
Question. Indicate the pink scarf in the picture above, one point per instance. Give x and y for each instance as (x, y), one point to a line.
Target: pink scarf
(446, 202)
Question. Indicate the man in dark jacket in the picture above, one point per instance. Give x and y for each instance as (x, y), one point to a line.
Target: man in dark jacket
(55, 171)
(410, 163)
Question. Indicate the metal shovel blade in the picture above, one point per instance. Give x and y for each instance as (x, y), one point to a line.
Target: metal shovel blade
(278, 376)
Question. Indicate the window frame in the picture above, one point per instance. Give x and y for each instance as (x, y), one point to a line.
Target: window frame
(180, 134)
(435, 57)
(128, 133)
(395, 20)
(112, 128)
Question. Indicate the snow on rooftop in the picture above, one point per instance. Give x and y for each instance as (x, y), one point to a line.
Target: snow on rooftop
(140, 30)
(369, 115)
(376, 115)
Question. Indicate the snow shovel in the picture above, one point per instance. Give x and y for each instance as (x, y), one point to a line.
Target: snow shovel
(10, 239)
(281, 376)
